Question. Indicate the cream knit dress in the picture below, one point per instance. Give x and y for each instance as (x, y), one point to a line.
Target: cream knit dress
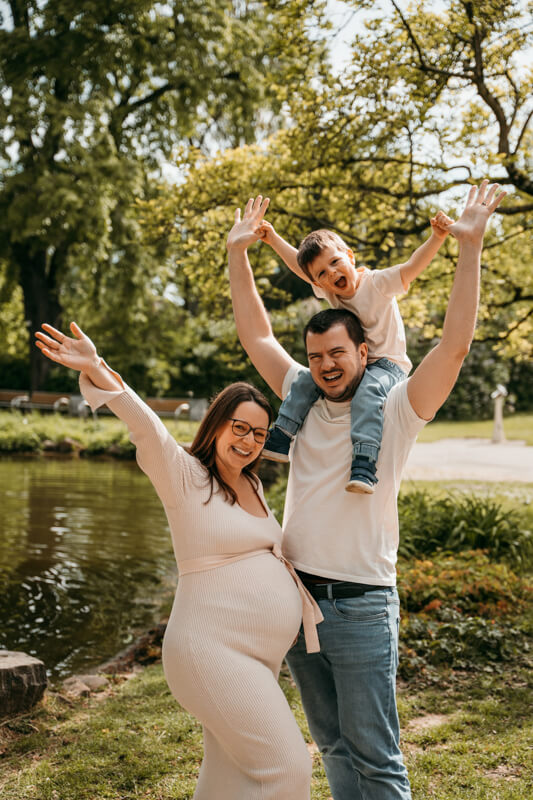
(230, 626)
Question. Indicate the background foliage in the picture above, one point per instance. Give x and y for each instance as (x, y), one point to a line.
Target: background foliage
(427, 100)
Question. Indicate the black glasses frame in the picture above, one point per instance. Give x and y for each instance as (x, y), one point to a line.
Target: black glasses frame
(264, 431)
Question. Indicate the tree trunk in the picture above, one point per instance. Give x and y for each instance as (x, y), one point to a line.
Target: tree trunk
(40, 305)
(22, 682)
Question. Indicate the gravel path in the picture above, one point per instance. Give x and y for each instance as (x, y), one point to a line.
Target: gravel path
(470, 459)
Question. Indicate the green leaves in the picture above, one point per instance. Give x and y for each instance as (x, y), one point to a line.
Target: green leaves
(92, 98)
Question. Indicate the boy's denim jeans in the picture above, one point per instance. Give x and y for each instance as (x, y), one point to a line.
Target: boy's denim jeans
(349, 696)
(366, 406)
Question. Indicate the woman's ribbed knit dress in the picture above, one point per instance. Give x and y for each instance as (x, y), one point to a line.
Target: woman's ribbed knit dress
(230, 627)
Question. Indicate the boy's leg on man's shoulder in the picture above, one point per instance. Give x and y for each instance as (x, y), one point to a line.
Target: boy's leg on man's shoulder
(293, 411)
(367, 406)
(349, 696)
(367, 421)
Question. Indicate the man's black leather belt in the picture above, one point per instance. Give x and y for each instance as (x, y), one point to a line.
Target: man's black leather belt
(341, 589)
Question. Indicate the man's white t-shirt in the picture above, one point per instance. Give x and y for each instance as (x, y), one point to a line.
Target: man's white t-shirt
(331, 532)
(375, 304)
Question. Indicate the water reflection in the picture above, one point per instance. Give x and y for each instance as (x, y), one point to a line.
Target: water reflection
(85, 556)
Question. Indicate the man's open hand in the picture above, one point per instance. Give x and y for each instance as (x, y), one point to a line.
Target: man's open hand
(244, 232)
(480, 205)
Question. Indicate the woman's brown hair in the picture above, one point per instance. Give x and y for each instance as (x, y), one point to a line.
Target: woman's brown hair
(220, 411)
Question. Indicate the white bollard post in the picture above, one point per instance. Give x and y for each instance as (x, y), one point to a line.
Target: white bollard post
(499, 395)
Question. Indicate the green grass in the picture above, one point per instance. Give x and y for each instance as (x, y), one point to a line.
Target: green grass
(517, 426)
(466, 737)
(479, 747)
(464, 734)
(28, 432)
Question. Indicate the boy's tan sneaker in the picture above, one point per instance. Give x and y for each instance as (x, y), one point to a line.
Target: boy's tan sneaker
(359, 486)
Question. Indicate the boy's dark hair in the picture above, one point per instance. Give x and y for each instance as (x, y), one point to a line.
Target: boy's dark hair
(313, 244)
(324, 320)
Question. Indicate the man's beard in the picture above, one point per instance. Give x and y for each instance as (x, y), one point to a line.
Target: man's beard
(349, 391)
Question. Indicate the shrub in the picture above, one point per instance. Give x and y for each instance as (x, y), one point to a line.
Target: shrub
(468, 582)
(461, 522)
(456, 641)
(462, 611)
(17, 435)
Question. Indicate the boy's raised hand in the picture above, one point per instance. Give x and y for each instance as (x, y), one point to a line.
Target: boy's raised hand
(245, 230)
(265, 232)
(440, 224)
(79, 353)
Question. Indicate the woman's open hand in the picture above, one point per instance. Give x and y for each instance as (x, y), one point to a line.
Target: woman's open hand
(79, 353)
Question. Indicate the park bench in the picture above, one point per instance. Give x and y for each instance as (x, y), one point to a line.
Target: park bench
(194, 408)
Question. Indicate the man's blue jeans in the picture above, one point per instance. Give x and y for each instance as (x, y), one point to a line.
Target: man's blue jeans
(349, 696)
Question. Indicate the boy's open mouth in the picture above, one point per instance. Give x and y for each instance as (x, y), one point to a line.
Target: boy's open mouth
(340, 283)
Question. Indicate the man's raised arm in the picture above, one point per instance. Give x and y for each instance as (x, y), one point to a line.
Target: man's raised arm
(434, 378)
(253, 325)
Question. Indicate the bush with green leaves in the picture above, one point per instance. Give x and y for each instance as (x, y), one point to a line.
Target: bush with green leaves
(458, 642)
(17, 435)
(459, 522)
(461, 610)
(468, 582)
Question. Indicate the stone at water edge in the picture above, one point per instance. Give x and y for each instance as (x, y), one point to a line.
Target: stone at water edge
(22, 682)
(83, 685)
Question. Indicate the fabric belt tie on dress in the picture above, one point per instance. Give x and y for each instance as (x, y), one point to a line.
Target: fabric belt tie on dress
(311, 613)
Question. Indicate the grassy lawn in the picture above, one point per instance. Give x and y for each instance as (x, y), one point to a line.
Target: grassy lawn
(27, 433)
(517, 426)
(466, 737)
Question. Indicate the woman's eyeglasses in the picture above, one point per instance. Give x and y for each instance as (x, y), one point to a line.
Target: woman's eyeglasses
(241, 428)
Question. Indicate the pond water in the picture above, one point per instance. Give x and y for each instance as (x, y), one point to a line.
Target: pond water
(85, 559)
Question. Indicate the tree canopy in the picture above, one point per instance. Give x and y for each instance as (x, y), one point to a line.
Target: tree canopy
(241, 97)
(430, 100)
(92, 97)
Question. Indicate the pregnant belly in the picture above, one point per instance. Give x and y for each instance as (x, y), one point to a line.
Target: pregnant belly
(251, 606)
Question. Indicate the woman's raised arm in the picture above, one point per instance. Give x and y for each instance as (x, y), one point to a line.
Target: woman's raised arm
(158, 454)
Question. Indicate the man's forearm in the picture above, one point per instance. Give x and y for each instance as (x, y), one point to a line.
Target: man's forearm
(253, 324)
(461, 314)
(434, 378)
(251, 318)
(420, 259)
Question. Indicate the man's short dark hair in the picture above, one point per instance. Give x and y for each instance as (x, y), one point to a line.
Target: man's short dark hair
(324, 320)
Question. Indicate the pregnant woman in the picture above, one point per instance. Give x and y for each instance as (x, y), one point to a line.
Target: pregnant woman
(239, 604)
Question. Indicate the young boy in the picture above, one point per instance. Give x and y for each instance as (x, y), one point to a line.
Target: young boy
(327, 263)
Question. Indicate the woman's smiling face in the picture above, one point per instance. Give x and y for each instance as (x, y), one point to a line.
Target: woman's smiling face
(234, 452)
